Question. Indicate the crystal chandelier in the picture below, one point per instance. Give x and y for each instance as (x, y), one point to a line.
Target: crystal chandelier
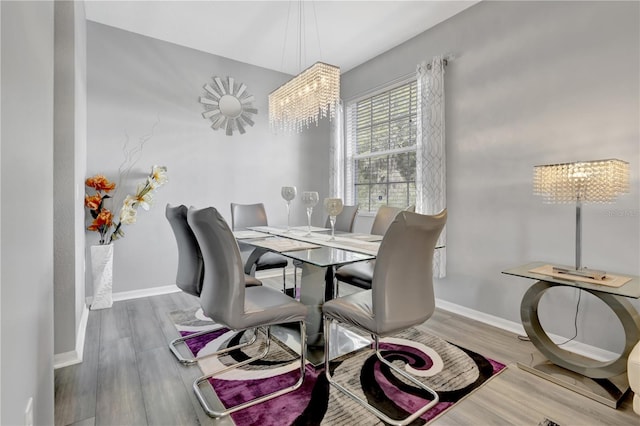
(311, 95)
(305, 99)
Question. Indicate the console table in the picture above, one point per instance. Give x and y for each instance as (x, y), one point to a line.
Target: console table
(605, 382)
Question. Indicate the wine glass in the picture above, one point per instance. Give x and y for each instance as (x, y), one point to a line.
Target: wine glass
(309, 200)
(333, 206)
(288, 193)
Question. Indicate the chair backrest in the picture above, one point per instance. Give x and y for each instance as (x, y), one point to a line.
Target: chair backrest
(383, 219)
(385, 216)
(244, 215)
(402, 287)
(223, 287)
(345, 220)
(190, 264)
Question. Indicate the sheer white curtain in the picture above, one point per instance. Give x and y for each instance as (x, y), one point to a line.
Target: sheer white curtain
(336, 153)
(431, 194)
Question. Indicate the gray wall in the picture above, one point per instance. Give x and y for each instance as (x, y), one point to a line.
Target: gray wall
(27, 211)
(70, 154)
(532, 83)
(135, 82)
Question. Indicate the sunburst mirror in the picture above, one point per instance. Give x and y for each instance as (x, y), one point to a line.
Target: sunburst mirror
(228, 105)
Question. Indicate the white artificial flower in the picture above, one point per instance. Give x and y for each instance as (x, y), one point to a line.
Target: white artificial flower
(159, 176)
(143, 198)
(152, 184)
(128, 214)
(129, 201)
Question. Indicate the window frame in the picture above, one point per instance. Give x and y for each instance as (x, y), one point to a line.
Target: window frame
(350, 137)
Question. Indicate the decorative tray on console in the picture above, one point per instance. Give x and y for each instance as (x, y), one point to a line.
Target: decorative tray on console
(608, 280)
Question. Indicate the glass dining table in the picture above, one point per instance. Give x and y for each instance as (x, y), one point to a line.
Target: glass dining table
(318, 257)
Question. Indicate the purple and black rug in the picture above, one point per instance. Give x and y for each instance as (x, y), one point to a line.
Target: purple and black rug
(454, 372)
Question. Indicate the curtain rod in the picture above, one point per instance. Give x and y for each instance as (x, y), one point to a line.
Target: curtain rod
(445, 62)
(404, 78)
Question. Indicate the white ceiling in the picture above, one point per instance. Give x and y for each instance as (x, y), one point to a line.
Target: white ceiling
(347, 33)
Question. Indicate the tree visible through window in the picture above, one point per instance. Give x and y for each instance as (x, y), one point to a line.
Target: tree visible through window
(381, 148)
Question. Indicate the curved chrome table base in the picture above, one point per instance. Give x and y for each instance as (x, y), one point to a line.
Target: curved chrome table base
(608, 377)
(626, 313)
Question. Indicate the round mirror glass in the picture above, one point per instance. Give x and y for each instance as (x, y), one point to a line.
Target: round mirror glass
(230, 106)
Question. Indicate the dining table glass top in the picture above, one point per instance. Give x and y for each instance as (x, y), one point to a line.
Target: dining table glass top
(321, 237)
(316, 248)
(323, 256)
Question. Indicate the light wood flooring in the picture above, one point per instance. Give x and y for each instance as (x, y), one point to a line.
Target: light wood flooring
(129, 377)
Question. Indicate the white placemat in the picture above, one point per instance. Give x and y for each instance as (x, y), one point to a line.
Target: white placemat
(284, 244)
(243, 235)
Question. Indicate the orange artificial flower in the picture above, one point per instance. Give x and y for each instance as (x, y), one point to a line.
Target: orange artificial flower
(92, 201)
(103, 222)
(104, 218)
(100, 183)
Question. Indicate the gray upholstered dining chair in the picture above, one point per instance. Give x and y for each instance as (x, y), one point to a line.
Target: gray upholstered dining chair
(360, 274)
(190, 270)
(226, 300)
(401, 297)
(246, 215)
(345, 220)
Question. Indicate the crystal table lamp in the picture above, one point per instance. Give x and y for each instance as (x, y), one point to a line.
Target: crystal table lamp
(598, 181)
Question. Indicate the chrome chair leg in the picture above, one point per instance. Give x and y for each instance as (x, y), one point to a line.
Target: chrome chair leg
(225, 412)
(365, 404)
(295, 279)
(173, 345)
(284, 281)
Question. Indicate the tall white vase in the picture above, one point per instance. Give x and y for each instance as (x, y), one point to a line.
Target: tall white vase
(102, 272)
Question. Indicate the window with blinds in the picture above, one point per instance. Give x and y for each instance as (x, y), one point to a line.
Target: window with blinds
(381, 148)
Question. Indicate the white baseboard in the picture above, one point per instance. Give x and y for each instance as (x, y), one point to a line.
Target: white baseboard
(66, 359)
(517, 328)
(137, 294)
(74, 357)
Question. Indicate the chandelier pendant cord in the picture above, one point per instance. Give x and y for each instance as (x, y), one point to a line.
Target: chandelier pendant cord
(301, 42)
(315, 18)
(286, 33)
(300, 34)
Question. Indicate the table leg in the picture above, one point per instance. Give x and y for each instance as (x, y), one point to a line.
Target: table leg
(312, 294)
(316, 286)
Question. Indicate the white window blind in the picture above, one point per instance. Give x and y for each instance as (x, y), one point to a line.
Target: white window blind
(381, 148)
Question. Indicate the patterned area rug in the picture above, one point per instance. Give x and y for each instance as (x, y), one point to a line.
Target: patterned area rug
(454, 372)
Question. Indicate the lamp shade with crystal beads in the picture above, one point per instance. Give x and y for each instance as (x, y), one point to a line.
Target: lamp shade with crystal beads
(305, 99)
(598, 181)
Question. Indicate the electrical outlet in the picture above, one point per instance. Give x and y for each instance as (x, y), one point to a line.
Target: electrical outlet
(28, 413)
